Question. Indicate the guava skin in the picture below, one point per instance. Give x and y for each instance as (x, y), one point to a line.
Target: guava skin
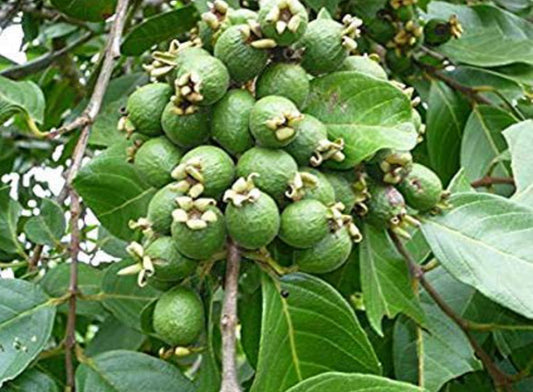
(330, 253)
(275, 169)
(179, 316)
(266, 109)
(145, 107)
(200, 244)
(243, 61)
(229, 125)
(386, 203)
(169, 264)
(155, 159)
(323, 192)
(287, 37)
(437, 32)
(253, 225)
(364, 65)
(285, 80)
(309, 132)
(160, 208)
(185, 130)
(304, 223)
(341, 183)
(421, 188)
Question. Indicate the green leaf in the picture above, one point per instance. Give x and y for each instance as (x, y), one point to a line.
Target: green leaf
(446, 118)
(492, 36)
(123, 297)
(483, 142)
(460, 183)
(441, 351)
(485, 241)
(334, 381)
(128, 371)
(9, 216)
(385, 280)
(90, 10)
(20, 97)
(26, 320)
(110, 186)
(308, 331)
(159, 28)
(111, 244)
(31, 380)
(369, 114)
(519, 138)
(317, 5)
(114, 335)
(48, 227)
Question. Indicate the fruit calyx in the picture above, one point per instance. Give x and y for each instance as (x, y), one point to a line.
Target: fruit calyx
(242, 191)
(395, 165)
(217, 14)
(190, 177)
(337, 220)
(300, 184)
(164, 62)
(144, 266)
(283, 125)
(351, 32)
(252, 35)
(285, 15)
(188, 87)
(406, 37)
(194, 213)
(327, 150)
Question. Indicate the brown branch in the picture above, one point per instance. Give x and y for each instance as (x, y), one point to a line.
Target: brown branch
(488, 181)
(499, 378)
(228, 321)
(35, 257)
(112, 52)
(7, 12)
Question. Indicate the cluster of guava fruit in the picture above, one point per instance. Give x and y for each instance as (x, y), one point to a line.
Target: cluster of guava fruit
(222, 133)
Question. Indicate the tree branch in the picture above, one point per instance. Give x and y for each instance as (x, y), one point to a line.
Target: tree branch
(499, 378)
(7, 12)
(487, 181)
(228, 321)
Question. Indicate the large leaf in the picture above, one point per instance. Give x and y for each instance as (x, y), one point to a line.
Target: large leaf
(369, 114)
(446, 117)
(485, 241)
(26, 320)
(90, 10)
(440, 352)
(158, 29)
(31, 381)
(20, 97)
(9, 216)
(123, 297)
(385, 280)
(114, 335)
(492, 36)
(129, 371)
(307, 329)
(334, 381)
(520, 140)
(483, 142)
(110, 186)
(48, 227)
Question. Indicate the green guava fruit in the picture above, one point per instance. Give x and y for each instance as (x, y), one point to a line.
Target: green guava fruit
(304, 223)
(341, 182)
(364, 65)
(169, 264)
(185, 130)
(145, 107)
(437, 32)
(421, 188)
(386, 206)
(390, 166)
(323, 191)
(285, 80)
(155, 159)
(285, 21)
(381, 28)
(160, 208)
(178, 316)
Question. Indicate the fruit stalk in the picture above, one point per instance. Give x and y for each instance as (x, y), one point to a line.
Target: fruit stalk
(228, 321)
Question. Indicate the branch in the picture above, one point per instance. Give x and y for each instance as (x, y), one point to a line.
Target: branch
(20, 71)
(500, 379)
(228, 321)
(487, 181)
(7, 12)
(112, 52)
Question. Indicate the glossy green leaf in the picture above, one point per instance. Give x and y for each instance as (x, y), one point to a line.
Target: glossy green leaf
(114, 335)
(9, 216)
(21, 97)
(485, 241)
(111, 245)
(123, 297)
(483, 142)
(446, 118)
(334, 381)
(110, 186)
(387, 289)
(31, 380)
(48, 227)
(308, 330)
(492, 36)
(26, 320)
(129, 371)
(370, 114)
(90, 10)
(520, 140)
(159, 28)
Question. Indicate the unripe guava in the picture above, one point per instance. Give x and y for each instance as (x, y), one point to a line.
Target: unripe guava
(169, 264)
(285, 21)
(304, 223)
(285, 80)
(421, 188)
(155, 159)
(145, 107)
(185, 130)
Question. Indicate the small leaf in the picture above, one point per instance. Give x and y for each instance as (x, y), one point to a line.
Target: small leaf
(21, 97)
(111, 187)
(307, 330)
(89, 10)
(387, 288)
(48, 227)
(26, 320)
(369, 114)
(129, 371)
(159, 28)
(333, 381)
(519, 138)
(485, 241)
(31, 380)
(9, 216)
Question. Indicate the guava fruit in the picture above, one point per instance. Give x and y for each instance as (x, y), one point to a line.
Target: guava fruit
(185, 129)
(159, 215)
(287, 80)
(364, 65)
(284, 21)
(155, 159)
(145, 107)
(421, 188)
(304, 223)
(381, 28)
(310, 183)
(341, 182)
(390, 166)
(169, 264)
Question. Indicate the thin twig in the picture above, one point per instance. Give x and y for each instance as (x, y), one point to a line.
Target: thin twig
(488, 181)
(500, 379)
(35, 257)
(112, 52)
(7, 12)
(40, 63)
(228, 321)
